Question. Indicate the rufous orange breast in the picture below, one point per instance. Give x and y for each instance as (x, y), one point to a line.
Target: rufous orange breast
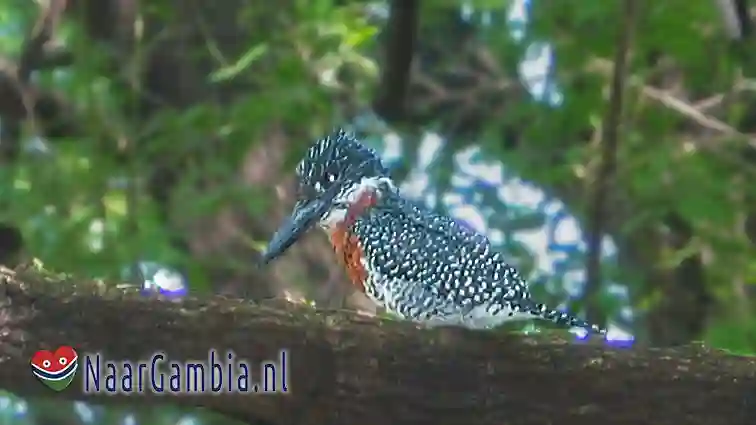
(350, 254)
(347, 246)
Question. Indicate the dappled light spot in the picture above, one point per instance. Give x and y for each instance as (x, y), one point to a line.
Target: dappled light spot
(155, 278)
(614, 337)
(296, 298)
(84, 412)
(465, 224)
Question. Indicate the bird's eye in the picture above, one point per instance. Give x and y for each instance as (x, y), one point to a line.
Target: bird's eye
(331, 177)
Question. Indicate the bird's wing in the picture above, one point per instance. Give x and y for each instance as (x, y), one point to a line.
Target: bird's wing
(430, 253)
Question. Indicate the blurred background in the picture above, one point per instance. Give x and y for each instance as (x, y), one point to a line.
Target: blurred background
(155, 141)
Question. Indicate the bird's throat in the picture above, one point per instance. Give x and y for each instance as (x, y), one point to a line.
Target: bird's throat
(366, 200)
(346, 245)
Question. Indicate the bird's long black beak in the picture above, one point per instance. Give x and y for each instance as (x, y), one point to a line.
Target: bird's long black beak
(306, 213)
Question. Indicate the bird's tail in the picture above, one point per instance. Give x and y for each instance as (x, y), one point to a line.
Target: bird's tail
(565, 319)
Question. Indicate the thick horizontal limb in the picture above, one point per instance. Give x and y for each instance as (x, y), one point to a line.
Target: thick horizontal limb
(347, 369)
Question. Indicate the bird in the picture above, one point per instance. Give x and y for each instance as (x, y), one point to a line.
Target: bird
(415, 263)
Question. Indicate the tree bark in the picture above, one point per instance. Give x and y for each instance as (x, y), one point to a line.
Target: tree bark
(347, 369)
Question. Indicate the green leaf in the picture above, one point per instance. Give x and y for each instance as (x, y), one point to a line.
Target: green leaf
(735, 337)
(226, 73)
(359, 36)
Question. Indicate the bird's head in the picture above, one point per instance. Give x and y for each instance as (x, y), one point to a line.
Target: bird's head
(337, 178)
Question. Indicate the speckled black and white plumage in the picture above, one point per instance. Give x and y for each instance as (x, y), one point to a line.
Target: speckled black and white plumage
(333, 158)
(421, 266)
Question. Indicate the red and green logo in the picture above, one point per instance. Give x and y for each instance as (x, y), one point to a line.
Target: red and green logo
(56, 370)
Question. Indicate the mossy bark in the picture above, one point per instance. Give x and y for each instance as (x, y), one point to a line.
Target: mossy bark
(347, 369)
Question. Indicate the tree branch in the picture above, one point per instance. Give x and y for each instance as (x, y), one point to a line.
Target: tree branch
(736, 18)
(344, 368)
(15, 94)
(399, 47)
(33, 54)
(604, 176)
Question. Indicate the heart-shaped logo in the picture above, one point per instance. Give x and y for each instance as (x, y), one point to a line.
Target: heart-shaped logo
(56, 370)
